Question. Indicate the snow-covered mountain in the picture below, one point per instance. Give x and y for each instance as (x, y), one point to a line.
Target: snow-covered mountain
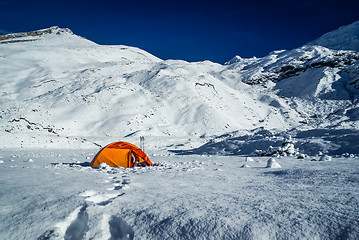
(344, 38)
(59, 89)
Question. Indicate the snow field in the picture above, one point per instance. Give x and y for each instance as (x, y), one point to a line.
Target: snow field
(183, 197)
(65, 91)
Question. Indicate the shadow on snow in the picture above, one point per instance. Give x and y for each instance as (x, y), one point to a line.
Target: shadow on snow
(311, 142)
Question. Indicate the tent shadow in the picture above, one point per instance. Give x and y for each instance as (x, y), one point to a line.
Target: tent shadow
(84, 164)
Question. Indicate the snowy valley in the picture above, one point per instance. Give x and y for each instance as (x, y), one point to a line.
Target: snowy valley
(259, 148)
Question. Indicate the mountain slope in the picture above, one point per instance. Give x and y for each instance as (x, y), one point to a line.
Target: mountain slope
(60, 89)
(344, 38)
(89, 90)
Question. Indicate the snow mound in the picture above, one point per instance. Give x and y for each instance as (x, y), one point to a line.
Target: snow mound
(325, 158)
(104, 166)
(245, 166)
(249, 159)
(272, 163)
(348, 155)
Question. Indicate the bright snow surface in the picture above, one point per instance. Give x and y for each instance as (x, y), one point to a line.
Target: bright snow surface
(61, 91)
(344, 38)
(58, 196)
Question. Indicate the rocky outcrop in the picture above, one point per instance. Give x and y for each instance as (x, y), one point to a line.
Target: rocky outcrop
(51, 30)
(293, 63)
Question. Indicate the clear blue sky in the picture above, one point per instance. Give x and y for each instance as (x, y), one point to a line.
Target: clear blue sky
(187, 30)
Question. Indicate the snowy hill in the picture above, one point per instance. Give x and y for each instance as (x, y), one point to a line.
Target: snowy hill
(59, 89)
(344, 38)
(293, 116)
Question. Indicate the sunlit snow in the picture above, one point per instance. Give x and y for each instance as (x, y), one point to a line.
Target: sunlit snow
(259, 148)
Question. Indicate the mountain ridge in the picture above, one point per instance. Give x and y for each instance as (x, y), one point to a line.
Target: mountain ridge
(343, 38)
(63, 90)
(54, 29)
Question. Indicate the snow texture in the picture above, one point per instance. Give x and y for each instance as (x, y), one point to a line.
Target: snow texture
(183, 197)
(344, 38)
(259, 148)
(60, 90)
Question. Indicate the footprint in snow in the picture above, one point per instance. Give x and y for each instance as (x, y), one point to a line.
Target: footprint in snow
(51, 234)
(101, 199)
(116, 187)
(120, 184)
(104, 203)
(125, 181)
(119, 229)
(73, 227)
(78, 227)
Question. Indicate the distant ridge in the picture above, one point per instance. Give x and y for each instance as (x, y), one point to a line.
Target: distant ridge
(344, 38)
(59, 89)
(54, 29)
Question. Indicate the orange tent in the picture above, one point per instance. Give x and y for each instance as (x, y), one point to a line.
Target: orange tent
(121, 154)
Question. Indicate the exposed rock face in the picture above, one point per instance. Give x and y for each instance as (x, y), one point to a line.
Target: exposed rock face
(10, 38)
(283, 65)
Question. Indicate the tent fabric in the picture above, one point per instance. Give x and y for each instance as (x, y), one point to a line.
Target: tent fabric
(121, 154)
